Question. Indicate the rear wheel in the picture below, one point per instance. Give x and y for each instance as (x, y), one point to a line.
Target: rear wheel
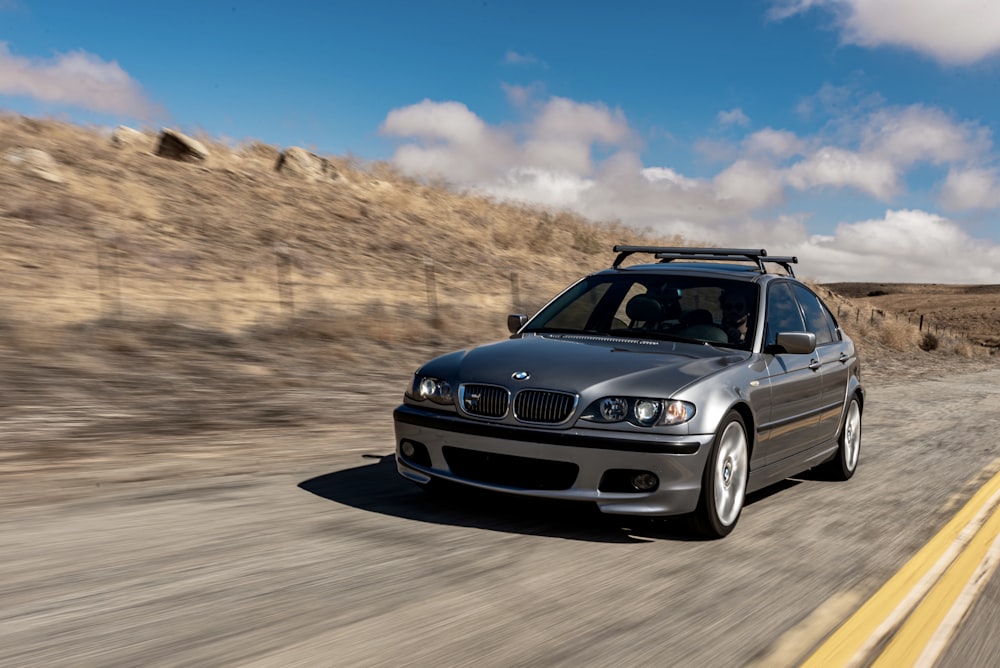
(724, 482)
(845, 462)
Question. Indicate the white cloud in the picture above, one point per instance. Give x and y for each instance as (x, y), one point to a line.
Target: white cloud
(450, 141)
(974, 188)
(586, 157)
(540, 186)
(521, 96)
(904, 246)
(515, 58)
(775, 143)
(754, 185)
(918, 133)
(655, 174)
(716, 150)
(77, 79)
(576, 120)
(783, 9)
(446, 121)
(954, 32)
(832, 166)
(563, 134)
(733, 117)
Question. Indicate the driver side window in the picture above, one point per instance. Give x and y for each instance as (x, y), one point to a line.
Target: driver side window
(783, 314)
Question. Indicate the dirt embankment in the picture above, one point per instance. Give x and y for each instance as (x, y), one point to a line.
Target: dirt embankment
(972, 311)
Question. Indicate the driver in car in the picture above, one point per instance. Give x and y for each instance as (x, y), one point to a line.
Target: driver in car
(735, 313)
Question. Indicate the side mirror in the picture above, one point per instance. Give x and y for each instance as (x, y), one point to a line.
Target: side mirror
(796, 343)
(515, 322)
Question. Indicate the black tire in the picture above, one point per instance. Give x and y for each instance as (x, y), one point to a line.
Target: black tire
(845, 462)
(724, 481)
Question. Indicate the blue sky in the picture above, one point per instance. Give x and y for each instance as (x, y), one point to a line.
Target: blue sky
(858, 134)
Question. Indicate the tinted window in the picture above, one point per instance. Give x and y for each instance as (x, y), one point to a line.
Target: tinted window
(579, 310)
(818, 319)
(702, 309)
(783, 313)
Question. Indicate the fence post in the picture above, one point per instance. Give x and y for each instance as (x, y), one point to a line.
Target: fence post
(515, 292)
(432, 302)
(921, 326)
(103, 278)
(283, 265)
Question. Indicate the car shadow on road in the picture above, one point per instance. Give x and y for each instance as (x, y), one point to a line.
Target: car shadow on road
(379, 489)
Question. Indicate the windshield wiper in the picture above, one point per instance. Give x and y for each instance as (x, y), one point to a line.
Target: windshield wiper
(649, 334)
(564, 330)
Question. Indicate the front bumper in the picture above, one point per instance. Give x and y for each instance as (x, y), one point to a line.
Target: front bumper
(585, 454)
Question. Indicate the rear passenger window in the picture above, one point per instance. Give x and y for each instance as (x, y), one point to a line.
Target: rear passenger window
(818, 319)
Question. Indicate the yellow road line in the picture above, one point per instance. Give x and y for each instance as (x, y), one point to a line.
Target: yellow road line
(878, 617)
(912, 644)
(943, 636)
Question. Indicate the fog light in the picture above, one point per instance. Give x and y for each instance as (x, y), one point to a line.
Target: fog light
(407, 448)
(645, 481)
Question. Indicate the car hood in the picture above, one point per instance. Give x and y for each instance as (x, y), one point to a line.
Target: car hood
(577, 363)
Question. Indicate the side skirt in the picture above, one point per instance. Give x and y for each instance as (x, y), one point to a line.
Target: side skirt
(789, 466)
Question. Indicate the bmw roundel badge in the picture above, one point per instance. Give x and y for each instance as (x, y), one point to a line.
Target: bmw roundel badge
(520, 375)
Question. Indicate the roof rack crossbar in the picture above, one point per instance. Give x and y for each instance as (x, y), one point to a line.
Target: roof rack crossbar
(669, 253)
(783, 262)
(726, 253)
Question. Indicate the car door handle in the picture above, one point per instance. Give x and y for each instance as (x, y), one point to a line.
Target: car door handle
(815, 364)
(843, 358)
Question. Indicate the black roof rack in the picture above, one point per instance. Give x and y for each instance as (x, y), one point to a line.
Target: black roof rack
(668, 253)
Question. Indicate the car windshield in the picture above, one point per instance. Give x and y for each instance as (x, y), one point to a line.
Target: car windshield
(710, 310)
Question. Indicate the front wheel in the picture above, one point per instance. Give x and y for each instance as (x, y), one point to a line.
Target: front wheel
(845, 462)
(724, 482)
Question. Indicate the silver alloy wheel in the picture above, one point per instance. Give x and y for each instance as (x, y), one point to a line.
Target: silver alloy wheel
(852, 436)
(730, 474)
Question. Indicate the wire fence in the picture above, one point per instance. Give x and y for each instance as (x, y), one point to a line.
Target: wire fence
(927, 327)
(115, 282)
(120, 282)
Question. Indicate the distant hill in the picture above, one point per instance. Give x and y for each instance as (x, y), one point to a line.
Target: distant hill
(970, 309)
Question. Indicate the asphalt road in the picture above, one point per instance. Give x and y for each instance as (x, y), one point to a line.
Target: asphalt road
(329, 558)
(977, 642)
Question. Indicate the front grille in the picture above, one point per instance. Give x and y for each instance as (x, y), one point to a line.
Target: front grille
(509, 471)
(543, 406)
(488, 401)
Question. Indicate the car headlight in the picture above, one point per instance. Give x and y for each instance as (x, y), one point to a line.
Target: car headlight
(427, 388)
(646, 411)
(613, 409)
(640, 411)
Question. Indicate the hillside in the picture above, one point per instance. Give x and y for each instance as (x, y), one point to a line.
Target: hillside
(230, 242)
(108, 229)
(965, 310)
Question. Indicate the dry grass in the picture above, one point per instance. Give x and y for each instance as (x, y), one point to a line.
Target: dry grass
(900, 331)
(970, 312)
(234, 247)
(130, 232)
